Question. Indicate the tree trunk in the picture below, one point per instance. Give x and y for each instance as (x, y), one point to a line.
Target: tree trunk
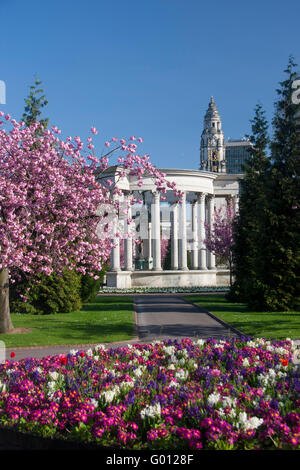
(5, 320)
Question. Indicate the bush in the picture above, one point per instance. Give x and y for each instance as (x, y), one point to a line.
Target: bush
(47, 294)
(235, 293)
(90, 287)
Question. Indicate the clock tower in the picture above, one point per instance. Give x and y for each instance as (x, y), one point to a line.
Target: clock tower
(212, 149)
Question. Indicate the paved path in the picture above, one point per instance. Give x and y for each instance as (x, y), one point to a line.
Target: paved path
(157, 317)
(169, 316)
(43, 351)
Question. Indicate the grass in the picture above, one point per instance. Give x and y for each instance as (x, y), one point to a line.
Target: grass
(275, 325)
(106, 319)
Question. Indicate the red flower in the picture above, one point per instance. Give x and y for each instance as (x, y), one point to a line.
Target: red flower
(12, 355)
(82, 354)
(284, 362)
(63, 360)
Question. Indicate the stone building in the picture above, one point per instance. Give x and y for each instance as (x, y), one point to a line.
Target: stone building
(183, 224)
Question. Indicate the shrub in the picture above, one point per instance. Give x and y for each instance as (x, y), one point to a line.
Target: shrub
(47, 294)
(90, 287)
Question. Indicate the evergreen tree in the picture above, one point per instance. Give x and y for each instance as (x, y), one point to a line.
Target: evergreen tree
(267, 235)
(247, 231)
(279, 284)
(34, 103)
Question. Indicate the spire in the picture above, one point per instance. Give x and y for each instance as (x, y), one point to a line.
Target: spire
(212, 151)
(211, 114)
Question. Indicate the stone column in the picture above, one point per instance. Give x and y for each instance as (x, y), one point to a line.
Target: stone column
(149, 243)
(211, 256)
(174, 237)
(228, 200)
(128, 243)
(182, 236)
(155, 220)
(202, 249)
(195, 235)
(115, 255)
(115, 251)
(235, 204)
(149, 240)
(232, 199)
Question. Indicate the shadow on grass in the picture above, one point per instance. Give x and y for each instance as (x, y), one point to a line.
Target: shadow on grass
(103, 304)
(266, 328)
(217, 305)
(241, 309)
(84, 330)
(113, 300)
(106, 308)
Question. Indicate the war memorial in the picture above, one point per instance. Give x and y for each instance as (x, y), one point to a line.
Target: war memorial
(183, 224)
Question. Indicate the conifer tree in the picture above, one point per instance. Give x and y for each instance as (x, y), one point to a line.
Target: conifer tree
(267, 235)
(279, 285)
(34, 104)
(248, 225)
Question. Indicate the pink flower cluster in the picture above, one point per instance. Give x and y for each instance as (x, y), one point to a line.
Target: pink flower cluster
(219, 238)
(50, 194)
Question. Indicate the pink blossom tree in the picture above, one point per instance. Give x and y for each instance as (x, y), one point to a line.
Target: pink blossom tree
(50, 199)
(219, 240)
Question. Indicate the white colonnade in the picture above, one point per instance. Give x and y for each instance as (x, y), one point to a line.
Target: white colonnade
(202, 211)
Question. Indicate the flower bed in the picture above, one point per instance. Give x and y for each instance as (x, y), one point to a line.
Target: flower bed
(213, 394)
(161, 290)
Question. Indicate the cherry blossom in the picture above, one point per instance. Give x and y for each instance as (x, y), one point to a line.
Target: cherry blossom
(50, 194)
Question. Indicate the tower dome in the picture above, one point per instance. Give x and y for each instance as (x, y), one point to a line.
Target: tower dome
(212, 150)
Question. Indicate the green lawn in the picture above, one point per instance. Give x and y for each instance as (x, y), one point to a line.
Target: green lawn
(106, 319)
(276, 325)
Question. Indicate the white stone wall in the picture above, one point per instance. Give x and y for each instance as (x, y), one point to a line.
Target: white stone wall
(173, 278)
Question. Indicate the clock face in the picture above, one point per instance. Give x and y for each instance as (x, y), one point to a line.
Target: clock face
(213, 156)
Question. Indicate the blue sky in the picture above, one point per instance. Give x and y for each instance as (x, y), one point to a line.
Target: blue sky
(148, 68)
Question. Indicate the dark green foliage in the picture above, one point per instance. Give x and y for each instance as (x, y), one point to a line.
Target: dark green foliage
(267, 233)
(48, 294)
(280, 283)
(90, 287)
(54, 294)
(34, 103)
(248, 233)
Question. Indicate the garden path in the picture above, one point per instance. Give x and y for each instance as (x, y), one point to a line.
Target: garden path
(157, 317)
(169, 316)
